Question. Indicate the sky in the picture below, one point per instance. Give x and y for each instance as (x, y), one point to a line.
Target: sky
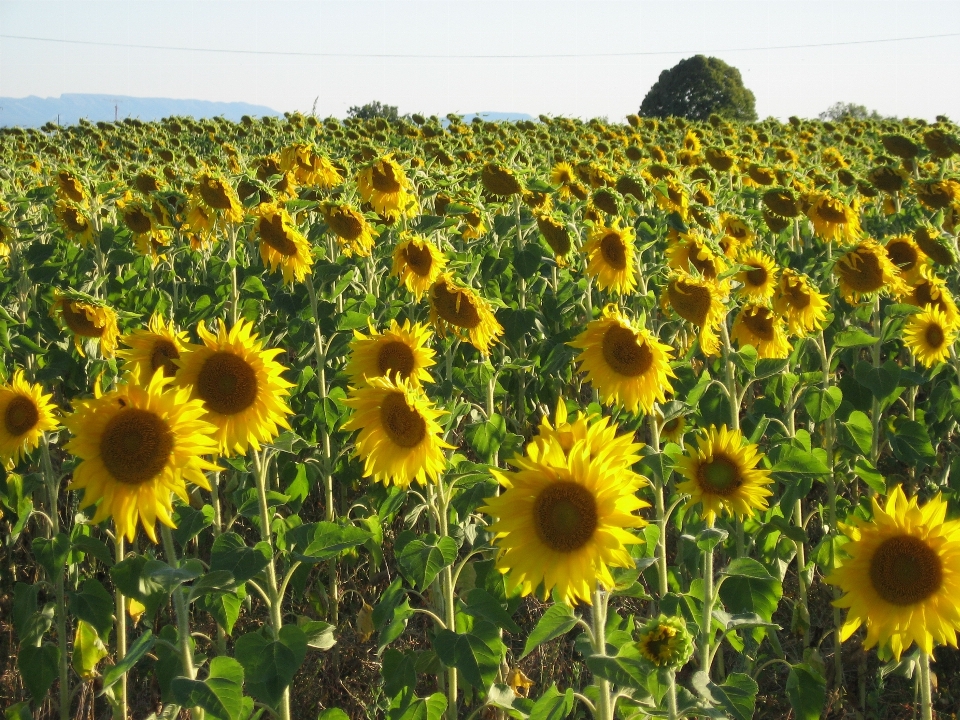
(915, 78)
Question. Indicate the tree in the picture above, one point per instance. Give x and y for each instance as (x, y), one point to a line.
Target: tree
(698, 87)
(373, 110)
(842, 111)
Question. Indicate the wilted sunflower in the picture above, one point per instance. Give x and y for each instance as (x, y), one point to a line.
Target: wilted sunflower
(385, 186)
(562, 520)
(87, 318)
(400, 350)
(417, 262)
(75, 222)
(281, 244)
(240, 385)
(138, 446)
(461, 310)
(760, 281)
(214, 195)
(935, 245)
(833, 220)
(557, 235)
(159, 346)
(759, 326)
(25, 414)
(866, 270)
(691, 249)
(611, 257)
(722, 475)
(664, 642)
(399, 439)
(804, 309)
(353, 232)
(929, 336)
(902, 577)
(624, 362)
(698, 301)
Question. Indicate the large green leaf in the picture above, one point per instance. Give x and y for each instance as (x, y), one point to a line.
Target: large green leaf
(556, 621)
(422, 557)
(136, 651)
(231, 553)
(94, 605)
(38, 666)
(807, 691)
(749, 588)
(821, 404)
(910, 442)
(270, 664)
(737, 695)
(324, 540)
(553, 705)
(476, 660)
(408, 706)
(52, 554)
(220, 695)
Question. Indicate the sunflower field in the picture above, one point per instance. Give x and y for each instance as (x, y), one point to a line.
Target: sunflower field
(423, 419)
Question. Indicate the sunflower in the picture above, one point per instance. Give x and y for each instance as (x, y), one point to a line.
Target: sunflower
(399, 438)
(240, 385)
(782, 201)
(624, 362)
(722, 475)
(698, 301)
(737, 227)
(672, 430)
(691, 249)
(597, 431)
(902, 577)
(563, 177)
(353, 232)
(562, 521)
(499, 180)
(759, 282)
(935, 245)
(557, 235)
(759, 326)
(804, 309)
(87, 318)
(384, 185)
(866, 270)
(70, 188)
(474, 226)
(417, 262)
(611, 257)
(672, 196)
(26, 414)
(75, 222)
(399, 351)
(833, 220)
(159, 346)
(463, 311)
(214, 195)
(309, 167)
(929, 336)
(906, 255)
(281, 244)
(936, 194)
(664, 642)
(719, 159)
(137, 446)
(930, 289)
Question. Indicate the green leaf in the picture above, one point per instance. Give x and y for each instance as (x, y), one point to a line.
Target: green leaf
(807, 691)
(94, 547)
(88, 650)
(708, 538)
(768, 367)
(136, 651)
(333, 714)
(881, 381)
(24, 608)
(749, 588)
(323, 540)
(737, 695)
(910, 442)
(94, 605)
(231, 553)
(224, 607)
(269, 665)
(853, 338)
(476, 660)
(38, 666)
(487, 437)
(745, 359)
(552, 705)
(399, 671)
(870, 475)
(794, 461)
(821, 404)
(421, 560)
(556, 621)
(211, 582)
(319, 634)
(221, 694)
(527, 261)
(481, 604)
(391, 614)
(861, 430)
(52, 554)
(409, 707)
(252, 284)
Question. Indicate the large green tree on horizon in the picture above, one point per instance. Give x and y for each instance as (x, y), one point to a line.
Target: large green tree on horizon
(698, 87)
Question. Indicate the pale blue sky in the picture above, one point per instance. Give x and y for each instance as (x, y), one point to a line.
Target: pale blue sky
(916, 78)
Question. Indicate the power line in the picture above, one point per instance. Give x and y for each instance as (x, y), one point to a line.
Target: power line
(450, 57)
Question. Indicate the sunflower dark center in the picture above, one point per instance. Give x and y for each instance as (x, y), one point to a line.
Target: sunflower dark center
(346, 223)
(395, 357)
(934, 336)
(614, 251)
(657, 645)
(798, 296)
(21, 416)
(760, 323)
(624, 354)
(384, 178)
(905, 570)
(455, 307)
(862, 271)
(135, 446)
(903, 255)
(419, 259)
(214, 194)
(720, 476)
(227, 384)
(163, 355)
(137, 220)
(704, 262)
(76, 319)
(405, 426)
(74, 220)
(691, 302)
(757, 277)
(273, 234)
(831, 211)
(565, 516)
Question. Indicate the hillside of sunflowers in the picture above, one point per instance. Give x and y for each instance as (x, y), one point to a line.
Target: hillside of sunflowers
(423, 419)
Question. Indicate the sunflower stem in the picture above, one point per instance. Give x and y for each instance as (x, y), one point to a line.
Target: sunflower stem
(447, 588)
(926, 705)
(599, 623)
(875, 405)
(660, 506)
(672, 695)
(121, 621)
(234, 290)
(706, 628)
(180, 607)
(53, 492)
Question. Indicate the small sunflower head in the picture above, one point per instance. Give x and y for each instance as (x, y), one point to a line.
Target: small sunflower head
(665, 642)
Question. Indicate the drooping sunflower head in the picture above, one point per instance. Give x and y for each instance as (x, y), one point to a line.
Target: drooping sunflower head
(612, 257)
(737, 227)
(463, 312)
(353, 231)
(691, 250)
(240, 385)
(563, 521)
(384, 185)
(75, 222)
(759, 281)
(70, 188)
(138, 446)
(935, 245)
(866, 270)
(25, 414)
(399, 438)
(833, 220)
(557, 235)
(759, 326)
(417, 262)
(309, 166)
(499, 180)
(698, 301)
(672, 196)
(85, 317)
(157, 347)
(721, 474)
(624, 362)
(665, 642)
(929, 335)
(215, 193)
(673, 429)
(400, 351)
(281, 244)
(782, 201)
(719, 159)
(936, 194)
(902, 577)
(906, 255)
(804, 309)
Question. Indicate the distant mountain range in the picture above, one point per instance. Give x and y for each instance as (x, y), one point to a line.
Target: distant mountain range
(67, 109)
